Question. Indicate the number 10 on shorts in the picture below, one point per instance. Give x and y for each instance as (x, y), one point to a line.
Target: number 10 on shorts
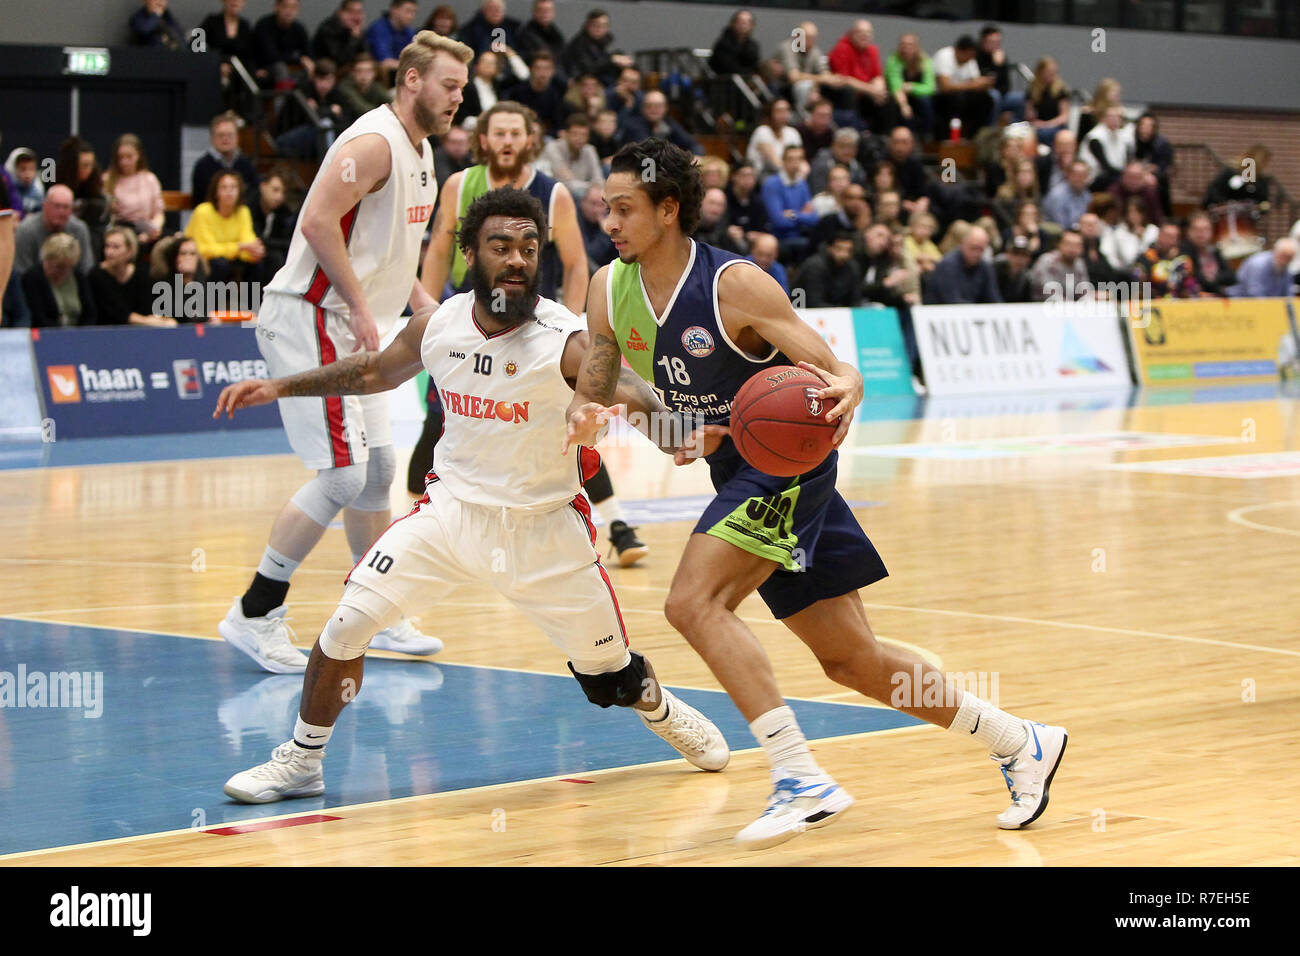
(380, 562)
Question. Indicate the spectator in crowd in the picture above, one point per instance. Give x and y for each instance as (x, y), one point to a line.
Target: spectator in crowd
(1213, 274)
(963, 277)
(1106, 95)
(1058, 275)
(297, 134)
(222, 227)
(360, 91)
(223, 154)
(992, 60)
(228, 34)
(1108, 209)
(843, 151)
(1011, 268)
(1156, 155)
(177, 257)
(887, 279)
(1092, 230)
(790, 212)
(56, 292)
(963, 91)
(282, 46)
(543, 93)
(910, 76)
(913, 181)
(134, 193)
(853, 216)
(888, 210)
(1165, 268)
(341, 36)
(1244, 182)
(1136, 183)
(273, 223)
(591, 220)
(486, 86)
(830, 200)
(1027, 223)
(1054, 168)
(21, 167)
(590, 50)
(490, 29)
(571, 159)
(745, 207)
(13, 310)
(830, 278)
(655, 121)
(1266, 273)
(1011, 151)
(1125, 242)
(714, 172)
(1068, 200)
(604, 136)
(918, 245)
(452, 154)
(154, 26)
(1108, 148)
(806, 67)
(768, 141)
(390, 33)
(763, 252)
(541, 33)
(1047, 105)
(626, 96)
(121, 290)
(55, 217)
(736, 50)
(77, 168)
(715, 229)
(442, 21)
(1022, 187)
(818, 131)
(862, 94)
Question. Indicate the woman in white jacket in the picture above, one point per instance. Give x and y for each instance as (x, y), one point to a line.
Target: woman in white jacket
(1107, 148)
(1123, 244)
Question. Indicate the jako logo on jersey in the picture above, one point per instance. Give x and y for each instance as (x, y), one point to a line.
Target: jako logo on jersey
(604, 640)
(697, 341)
(813, 401)
(418, 213)
(636, 343)
(63, 384)
(186, 373)
(454, 354)
(511, 368)
(471, 406)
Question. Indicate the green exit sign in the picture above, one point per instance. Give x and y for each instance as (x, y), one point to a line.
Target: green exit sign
(86, 61)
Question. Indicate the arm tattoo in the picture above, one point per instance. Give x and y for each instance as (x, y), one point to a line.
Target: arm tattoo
(353, 375)
(601, 370)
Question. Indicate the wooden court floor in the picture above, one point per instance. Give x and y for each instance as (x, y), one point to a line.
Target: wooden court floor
(1153, 614)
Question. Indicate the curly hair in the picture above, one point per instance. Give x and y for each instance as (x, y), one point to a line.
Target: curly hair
(507, 201)
(665, 171)
(531, 125)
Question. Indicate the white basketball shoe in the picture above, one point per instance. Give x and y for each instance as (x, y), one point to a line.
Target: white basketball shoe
(796, 804)
(1029, 774)
(404, 638)
(291, 772)
(264, 639)
(690, 733)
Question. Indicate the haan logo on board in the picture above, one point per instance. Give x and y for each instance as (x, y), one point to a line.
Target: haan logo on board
(63, 384)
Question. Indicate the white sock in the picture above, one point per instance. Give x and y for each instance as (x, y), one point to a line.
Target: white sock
(309, 736)
(276, 566)
(999, 731)
(783, 742)
(610, 510)
(659, 713)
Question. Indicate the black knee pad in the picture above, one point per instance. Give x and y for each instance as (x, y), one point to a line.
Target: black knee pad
(617, 688)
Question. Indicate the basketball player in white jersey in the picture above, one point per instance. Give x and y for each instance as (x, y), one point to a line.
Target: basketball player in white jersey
(501, 506)
(350, 272)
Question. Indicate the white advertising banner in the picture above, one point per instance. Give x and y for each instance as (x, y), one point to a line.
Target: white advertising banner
(1020, 347)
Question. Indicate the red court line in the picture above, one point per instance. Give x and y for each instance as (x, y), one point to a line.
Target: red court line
(272, 824)
(574, 780)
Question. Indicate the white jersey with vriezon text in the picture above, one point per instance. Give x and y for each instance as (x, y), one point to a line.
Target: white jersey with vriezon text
(383, 231)
(505, 402)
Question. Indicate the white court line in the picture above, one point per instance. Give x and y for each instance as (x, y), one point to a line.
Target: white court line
(1236, 516)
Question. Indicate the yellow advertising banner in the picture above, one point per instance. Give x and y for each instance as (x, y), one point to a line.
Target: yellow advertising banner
(1214, 341)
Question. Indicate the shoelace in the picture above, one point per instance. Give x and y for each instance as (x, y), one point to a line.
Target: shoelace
(278, 627)
(1007, 769)
(685, 728)
(280, 758)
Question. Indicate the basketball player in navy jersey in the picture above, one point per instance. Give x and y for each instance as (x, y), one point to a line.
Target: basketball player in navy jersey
(716, 321)
(505, 145)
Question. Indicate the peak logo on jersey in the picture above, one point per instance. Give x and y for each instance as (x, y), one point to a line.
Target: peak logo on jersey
(813, 401)
(186, 373)
(63, 384)
(472, 406)
(637, 344)
(416, 214)
(511, 369)
(697, 341)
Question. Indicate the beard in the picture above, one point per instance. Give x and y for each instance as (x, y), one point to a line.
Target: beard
(425, 118)
(511, 309)
(499, 172)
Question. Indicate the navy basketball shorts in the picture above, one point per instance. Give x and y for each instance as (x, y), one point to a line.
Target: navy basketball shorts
(802, 524)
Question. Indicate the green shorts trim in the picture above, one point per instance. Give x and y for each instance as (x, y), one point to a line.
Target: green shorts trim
(763, 526)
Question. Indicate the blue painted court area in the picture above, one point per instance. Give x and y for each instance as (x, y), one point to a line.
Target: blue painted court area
(228, 443)
(177, 716)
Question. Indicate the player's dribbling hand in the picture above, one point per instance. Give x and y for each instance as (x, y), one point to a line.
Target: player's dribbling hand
(245, 394)
(703, 441)
(848, 395)
(365, 330)
(587, 425)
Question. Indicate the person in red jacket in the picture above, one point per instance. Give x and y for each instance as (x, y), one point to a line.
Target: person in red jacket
(861, 100)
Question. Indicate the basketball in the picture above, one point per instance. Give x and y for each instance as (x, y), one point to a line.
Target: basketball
(779, 424)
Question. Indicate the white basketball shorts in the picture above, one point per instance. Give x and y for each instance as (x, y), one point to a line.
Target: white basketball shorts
(295, 336)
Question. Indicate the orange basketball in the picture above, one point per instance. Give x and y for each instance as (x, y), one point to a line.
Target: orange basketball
(779, 424)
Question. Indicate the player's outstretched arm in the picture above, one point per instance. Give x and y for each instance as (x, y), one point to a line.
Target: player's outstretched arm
(598, 377)
(363, 373)
(573, 253)
(442, 240)
(750, 299)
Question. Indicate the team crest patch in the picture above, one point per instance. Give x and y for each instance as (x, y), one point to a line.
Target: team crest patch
(511, 368)
(814, 403)
(697, 341)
